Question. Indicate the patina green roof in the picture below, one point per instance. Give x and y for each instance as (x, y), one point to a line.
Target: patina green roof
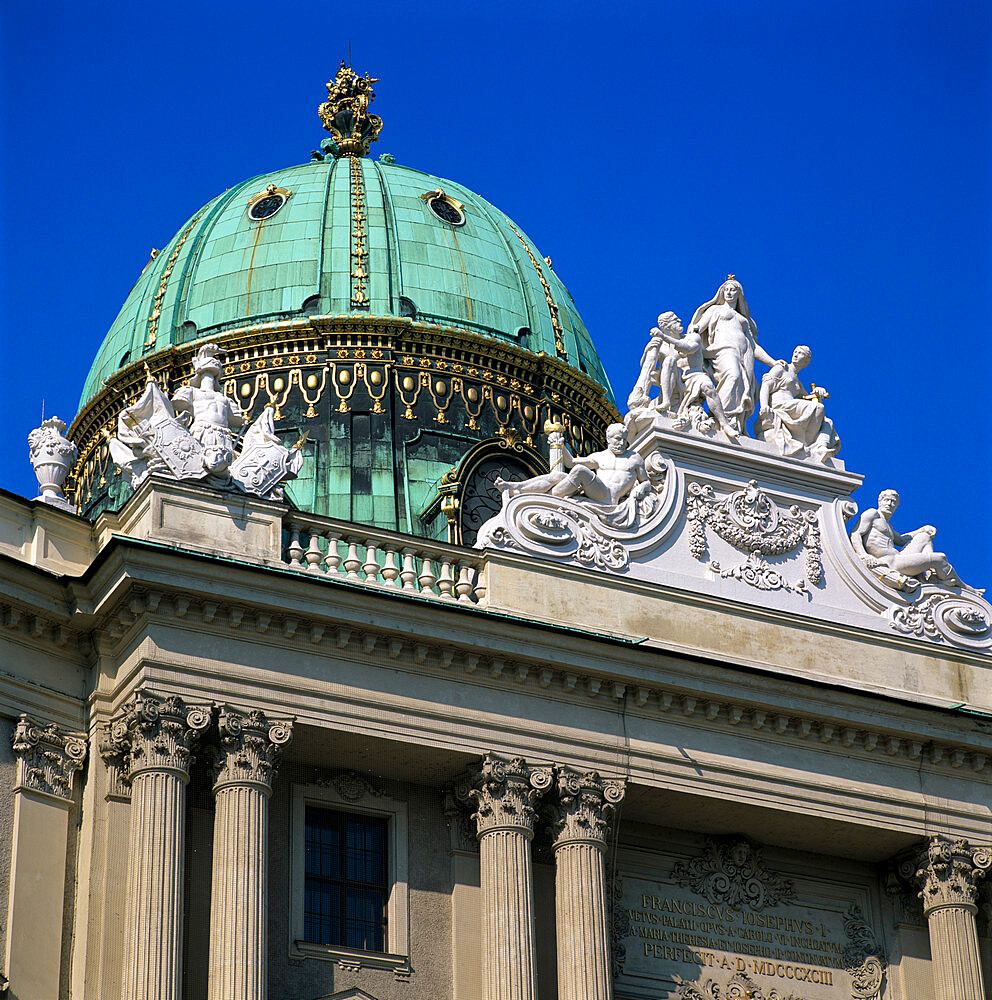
(223, 270)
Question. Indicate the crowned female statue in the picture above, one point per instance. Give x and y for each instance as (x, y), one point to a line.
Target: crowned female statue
(730, 345)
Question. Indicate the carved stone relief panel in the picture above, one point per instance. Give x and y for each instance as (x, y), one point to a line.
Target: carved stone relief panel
(725, 922)
(751, 522)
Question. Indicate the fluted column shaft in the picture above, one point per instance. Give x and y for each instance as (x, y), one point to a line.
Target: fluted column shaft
(507, 915)
(504, 793)
(243, 767)
(151, 741)
(948, 873)
(153, 928)
(580, 909)
(580, 821)
(957, 970)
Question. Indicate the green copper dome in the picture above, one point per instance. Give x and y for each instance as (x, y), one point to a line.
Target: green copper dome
(348, 236)
(407, 335)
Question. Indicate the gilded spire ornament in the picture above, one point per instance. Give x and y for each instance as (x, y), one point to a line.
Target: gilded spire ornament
(345, 113)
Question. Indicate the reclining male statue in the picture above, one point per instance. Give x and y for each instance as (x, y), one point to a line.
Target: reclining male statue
(605, 477)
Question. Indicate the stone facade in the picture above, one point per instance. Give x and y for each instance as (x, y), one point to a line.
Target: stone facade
(610, 812)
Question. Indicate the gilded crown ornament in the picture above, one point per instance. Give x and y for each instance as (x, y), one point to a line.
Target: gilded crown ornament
(345, 113)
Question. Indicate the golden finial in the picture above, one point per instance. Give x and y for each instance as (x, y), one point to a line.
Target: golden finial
(730, 277)
(345, 113)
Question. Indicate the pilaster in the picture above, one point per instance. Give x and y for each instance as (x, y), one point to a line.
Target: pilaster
(151, 742)
(47, 761)
(948, 872)
(580, 822)
(244, 765)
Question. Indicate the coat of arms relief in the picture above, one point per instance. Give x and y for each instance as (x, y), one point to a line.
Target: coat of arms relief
(192, 437)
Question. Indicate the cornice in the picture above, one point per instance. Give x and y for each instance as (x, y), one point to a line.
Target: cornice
(842, 729)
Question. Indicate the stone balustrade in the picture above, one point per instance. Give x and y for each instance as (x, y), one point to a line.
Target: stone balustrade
(326, 547)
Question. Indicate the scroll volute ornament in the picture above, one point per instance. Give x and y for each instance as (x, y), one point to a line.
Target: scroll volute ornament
(949, 871)
(584, 807)
(154, 733)
(505, 794)
(345, 113)
(249, 749)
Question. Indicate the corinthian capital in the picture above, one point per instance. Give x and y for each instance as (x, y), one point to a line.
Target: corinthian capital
(584, 807)
(154, 733)
(948, 872)
(47, 758)
(504, 793)
(249, 747)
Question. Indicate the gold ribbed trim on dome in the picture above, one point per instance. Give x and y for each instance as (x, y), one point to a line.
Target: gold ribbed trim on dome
(307, 359)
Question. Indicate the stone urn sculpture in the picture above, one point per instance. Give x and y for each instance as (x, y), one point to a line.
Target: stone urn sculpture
(52, 455)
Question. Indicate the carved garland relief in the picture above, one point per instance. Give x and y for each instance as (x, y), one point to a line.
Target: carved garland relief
(753, 523)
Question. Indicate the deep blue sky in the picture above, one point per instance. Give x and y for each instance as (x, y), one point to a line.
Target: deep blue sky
(834, 156)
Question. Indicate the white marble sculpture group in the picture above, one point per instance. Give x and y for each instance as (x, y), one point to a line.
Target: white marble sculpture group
(679, 496)
(713, 363)
(190, 437)
(633, 508)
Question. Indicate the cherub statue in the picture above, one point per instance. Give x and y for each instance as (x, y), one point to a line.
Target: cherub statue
(792, 419)
(903, 561)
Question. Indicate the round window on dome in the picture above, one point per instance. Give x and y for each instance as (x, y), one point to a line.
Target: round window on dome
(266, 203)
(446, 209)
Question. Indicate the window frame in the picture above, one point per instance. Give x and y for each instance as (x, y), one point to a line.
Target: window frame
(397, 875)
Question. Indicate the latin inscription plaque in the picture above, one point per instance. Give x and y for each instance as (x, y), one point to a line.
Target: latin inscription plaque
(725, 914)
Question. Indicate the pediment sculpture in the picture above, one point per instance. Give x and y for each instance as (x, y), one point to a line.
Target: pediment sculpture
(591, 508)
(936, 603)
(192, 437)
(903, 561)
(706, 380)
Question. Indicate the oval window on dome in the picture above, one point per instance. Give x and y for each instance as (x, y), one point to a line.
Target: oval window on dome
(266, 203)
(444, 207)
(447, 211)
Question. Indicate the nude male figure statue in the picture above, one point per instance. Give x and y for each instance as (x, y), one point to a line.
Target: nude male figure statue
(882, 547)
(605, 477)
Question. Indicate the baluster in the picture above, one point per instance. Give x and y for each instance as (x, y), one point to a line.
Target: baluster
(408, 574)
(445, 582)
(333, 557)
(427, 579)
(371, 564)
(313, 555)
(295, 550)
(464, 586)
(352, 563)
(480, 587)
(390, 571)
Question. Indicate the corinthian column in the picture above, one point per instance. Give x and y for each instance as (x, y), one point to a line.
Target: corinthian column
(243, 769)
(151, 741)
(580, 822)
(948, 872)
(504, 793)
